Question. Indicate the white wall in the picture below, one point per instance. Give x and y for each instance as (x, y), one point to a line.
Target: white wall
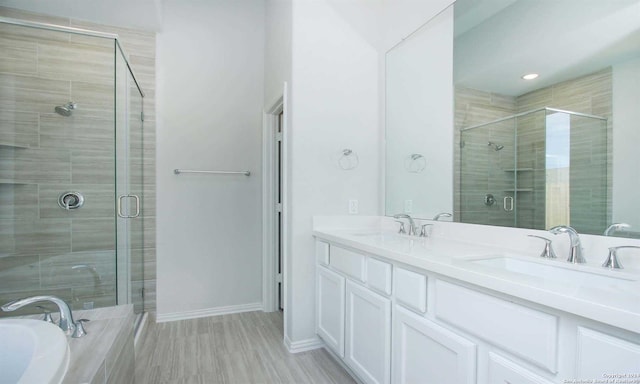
(334, 105)
(210, 63)
(626, 136)
(277, 64)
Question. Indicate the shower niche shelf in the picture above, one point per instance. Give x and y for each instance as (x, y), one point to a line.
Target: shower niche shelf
(6, 144)
(519, 190)
(15, 182)
(519, 170)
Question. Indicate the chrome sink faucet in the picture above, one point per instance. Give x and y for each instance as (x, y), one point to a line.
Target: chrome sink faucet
(413, 230)
(616, 227)
(612, 261)
(439, 215)
(575, 252)
(66, 322)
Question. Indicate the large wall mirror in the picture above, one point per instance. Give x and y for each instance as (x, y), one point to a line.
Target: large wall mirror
(545, 127)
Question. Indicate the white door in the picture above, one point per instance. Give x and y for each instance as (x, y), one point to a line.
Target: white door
(330, 309)
(424, 352)
(368, 334)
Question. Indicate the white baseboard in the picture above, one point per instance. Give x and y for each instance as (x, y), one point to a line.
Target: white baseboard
(174, 316)
(303, 345)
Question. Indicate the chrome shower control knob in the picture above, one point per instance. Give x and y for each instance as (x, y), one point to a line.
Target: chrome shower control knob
(70, 200)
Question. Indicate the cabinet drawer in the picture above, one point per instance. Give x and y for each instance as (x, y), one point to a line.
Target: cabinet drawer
(599, 354)
(322, 252)
(349, 262)
(504, 371)
(379, 275)
(530, 334)
(410, 289)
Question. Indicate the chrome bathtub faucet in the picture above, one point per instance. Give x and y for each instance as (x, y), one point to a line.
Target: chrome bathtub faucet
(66, 322)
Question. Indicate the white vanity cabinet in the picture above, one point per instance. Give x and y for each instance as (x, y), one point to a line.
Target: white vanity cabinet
(330, 295)
(368, 334)
(424, 352)
(392, 322)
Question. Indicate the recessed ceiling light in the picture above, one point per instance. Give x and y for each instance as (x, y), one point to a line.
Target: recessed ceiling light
(530, 76)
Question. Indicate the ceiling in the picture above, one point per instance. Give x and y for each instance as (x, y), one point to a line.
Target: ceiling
(498, 41)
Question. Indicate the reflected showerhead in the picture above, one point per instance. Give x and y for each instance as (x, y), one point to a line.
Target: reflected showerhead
(67, 109)
(495, 146)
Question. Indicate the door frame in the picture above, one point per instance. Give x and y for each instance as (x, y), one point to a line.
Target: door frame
(269, 260)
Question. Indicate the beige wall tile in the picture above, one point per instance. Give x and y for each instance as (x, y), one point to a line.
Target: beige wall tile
(92, 167)
(18, 202)
(19, 128)
(30, 237)
(93, 234)
(35, 165)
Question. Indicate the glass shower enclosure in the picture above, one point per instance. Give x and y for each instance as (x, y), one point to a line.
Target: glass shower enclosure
(536, 169)
(71, 160)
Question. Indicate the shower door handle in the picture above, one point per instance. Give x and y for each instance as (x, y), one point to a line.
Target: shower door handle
(507, 203)
(136, 198)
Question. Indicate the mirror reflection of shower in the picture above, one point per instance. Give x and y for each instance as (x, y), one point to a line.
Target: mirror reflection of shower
(67, 109)
(495, 146)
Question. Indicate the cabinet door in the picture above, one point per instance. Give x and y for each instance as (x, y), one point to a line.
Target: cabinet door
(424, 352)
(330, 309)
(600, 355)
(368, 343)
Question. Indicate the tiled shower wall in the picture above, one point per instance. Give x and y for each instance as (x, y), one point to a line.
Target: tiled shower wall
(44, 154)
(591, 148)
(591, 94)
(484, 170)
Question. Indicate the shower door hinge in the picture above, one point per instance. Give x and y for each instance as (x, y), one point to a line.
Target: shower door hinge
(279, 278)
(142, 292)
(141, 116)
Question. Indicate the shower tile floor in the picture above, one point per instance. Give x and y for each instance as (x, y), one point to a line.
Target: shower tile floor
(239, 348)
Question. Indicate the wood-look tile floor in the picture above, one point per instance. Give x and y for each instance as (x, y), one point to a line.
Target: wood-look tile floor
(239, 348)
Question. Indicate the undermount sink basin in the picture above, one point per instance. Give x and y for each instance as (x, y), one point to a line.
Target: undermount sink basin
(577, 274)
(382, 236)
(32, 351)
(389, 240)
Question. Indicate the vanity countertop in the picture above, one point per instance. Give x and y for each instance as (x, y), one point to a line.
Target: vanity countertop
(455, 259)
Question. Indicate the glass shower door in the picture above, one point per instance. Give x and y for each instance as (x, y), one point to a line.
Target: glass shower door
(489, 174)
(129, 187)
